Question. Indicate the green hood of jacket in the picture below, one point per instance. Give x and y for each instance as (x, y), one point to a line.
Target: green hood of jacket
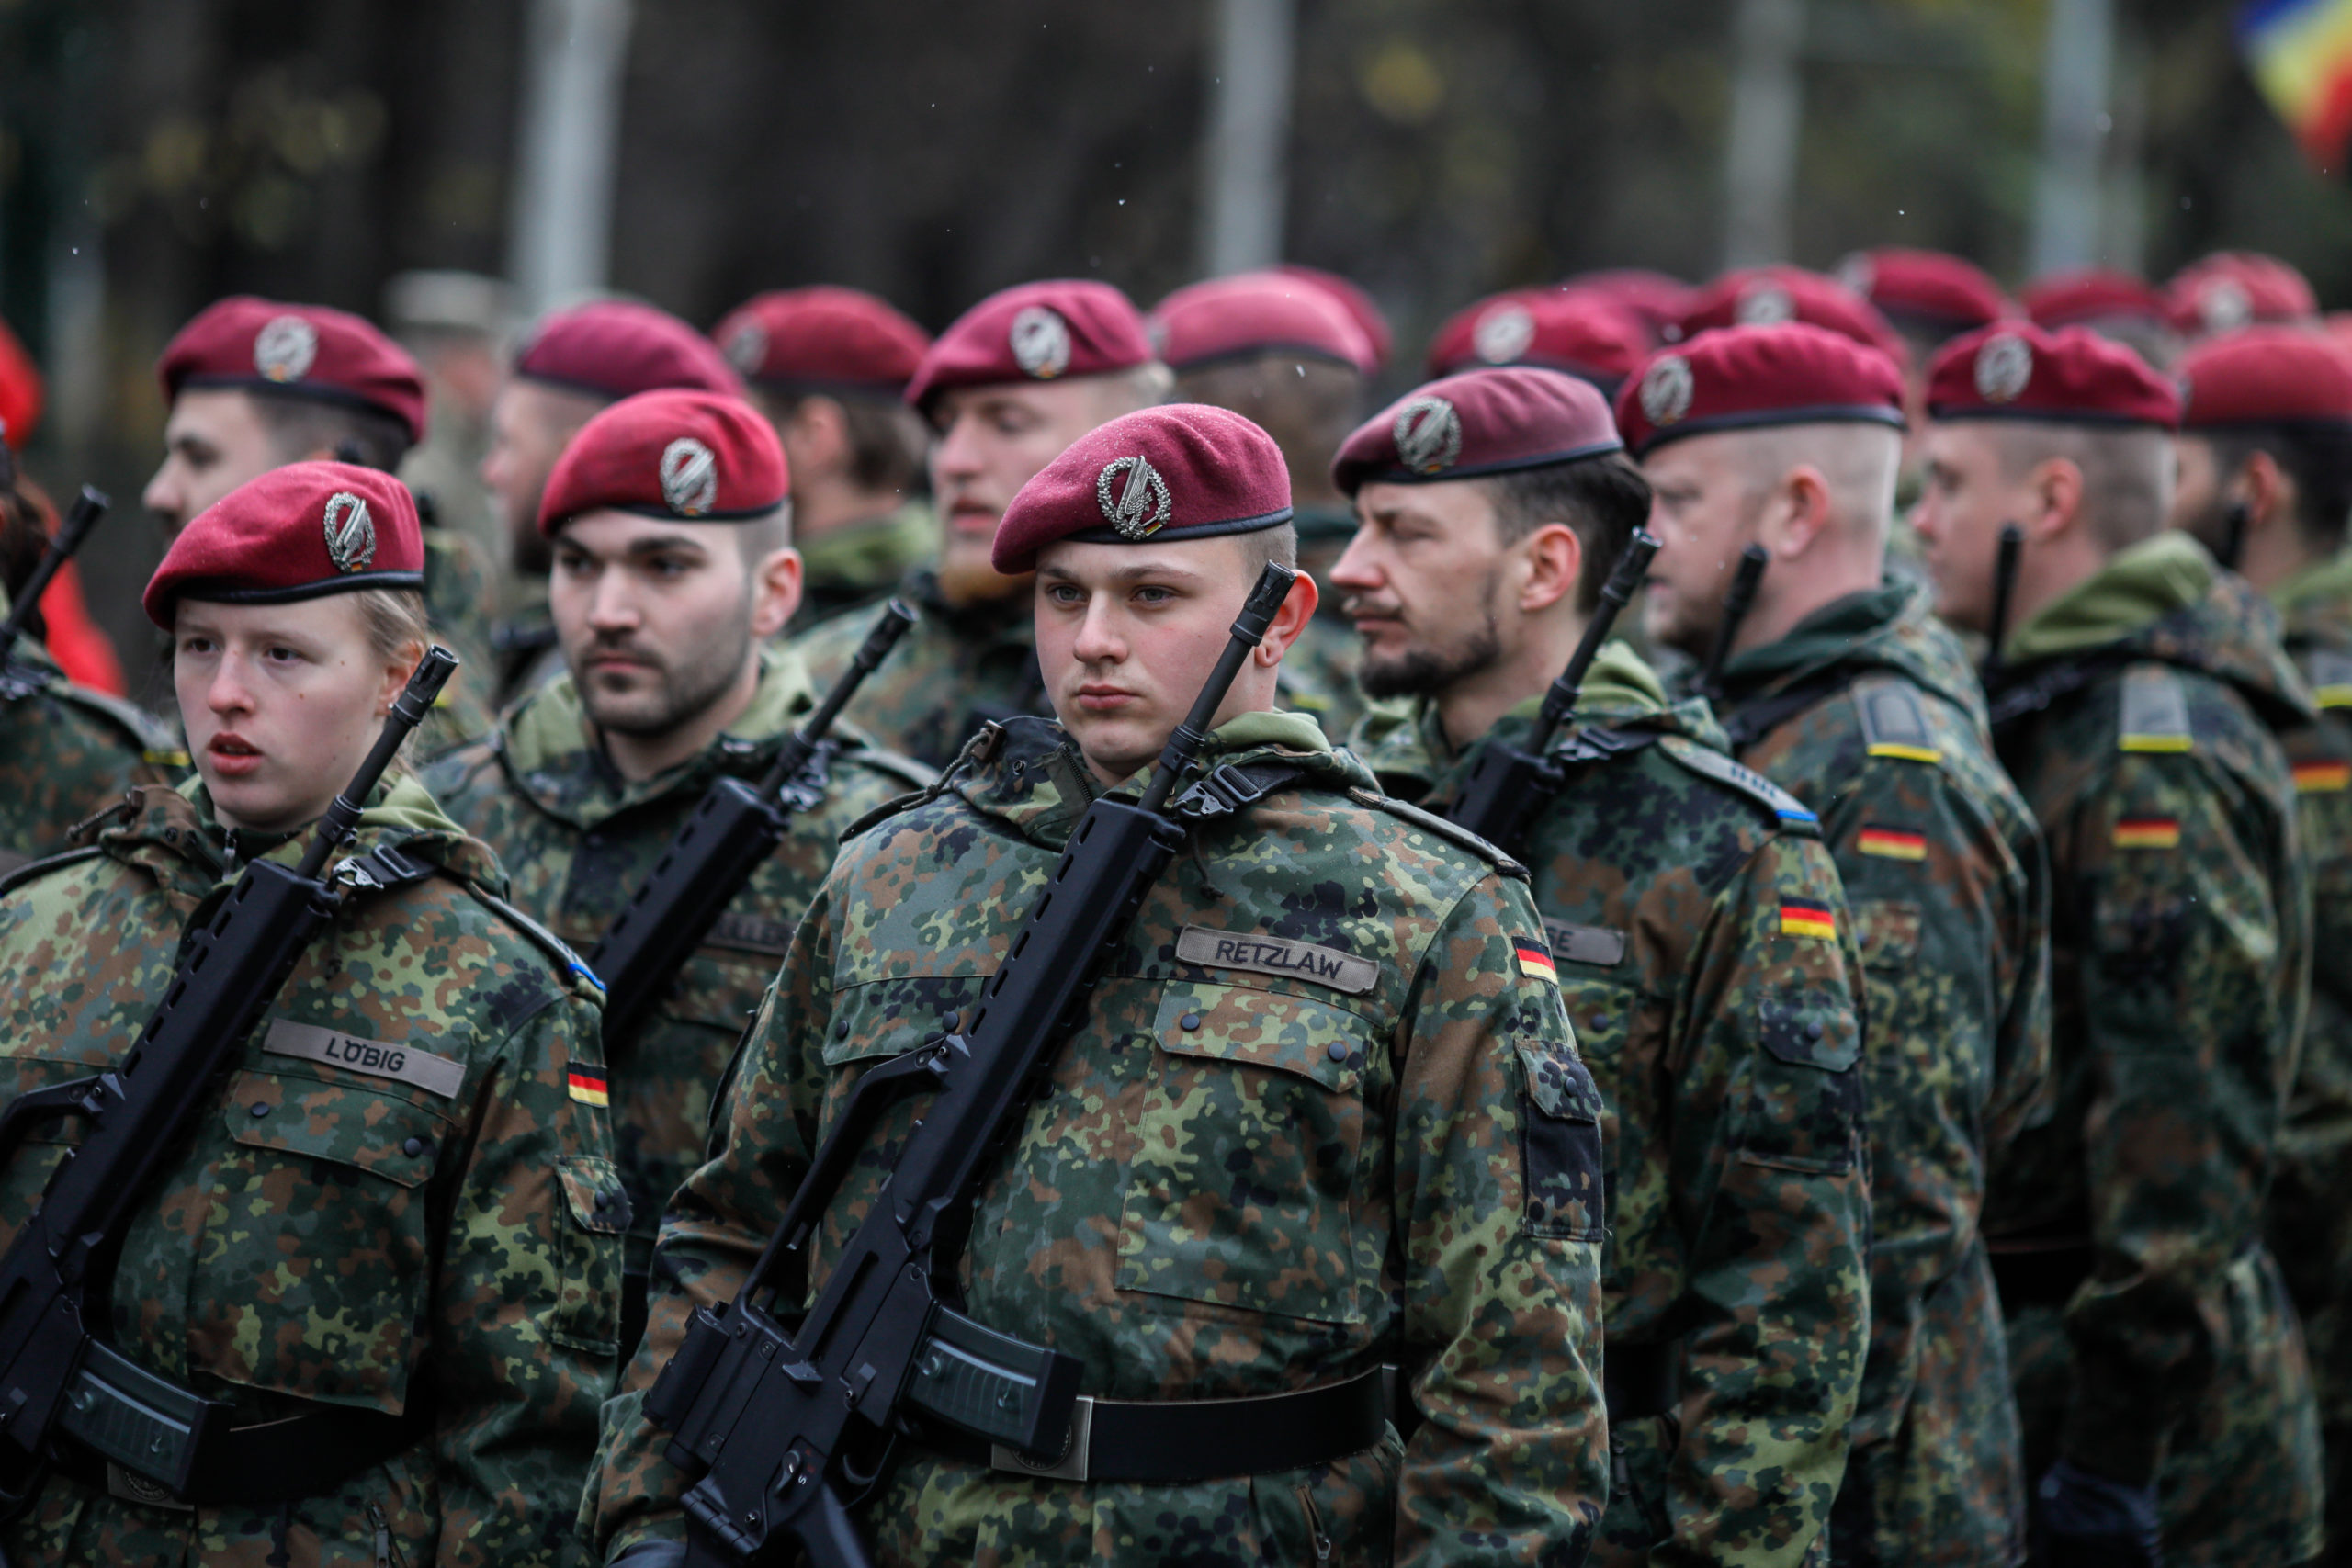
(2316, 603)
(875, 550)
(2165, 599)
(1888, 627)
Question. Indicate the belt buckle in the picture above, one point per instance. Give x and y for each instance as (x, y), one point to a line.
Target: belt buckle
(131, 1487)
(1071, 1466)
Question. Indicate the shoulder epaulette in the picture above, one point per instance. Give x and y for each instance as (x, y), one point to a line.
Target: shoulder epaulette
(1430, 821)
(1893, 723)
(1708, 763)
(156, 744)
(2331, 677)
(30, 869)
(553, 945)
(890, 764)
(2153, 713)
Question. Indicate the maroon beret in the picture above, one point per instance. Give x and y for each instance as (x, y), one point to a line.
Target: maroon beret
(2265, 376)
(699, 456)
(2072, 298)
(822, 339)
(2016, 370)
(1035, 332)
(1361, 307)
(1579, 331)
(1928, 290)
(1656, 299)
(1767, 296)
(296, 532)
(1257, 313)
(1746, 378)
(305, 350)
(617, 348)
(2230, 289)
(1479, 423)
(1178, 471)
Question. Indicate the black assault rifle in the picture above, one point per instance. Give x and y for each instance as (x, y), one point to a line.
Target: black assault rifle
(778, 1422)
(1508, 786)
(2005, 587)
(59, 1377)
(88, 507)
(731, 834)
(1738, 599)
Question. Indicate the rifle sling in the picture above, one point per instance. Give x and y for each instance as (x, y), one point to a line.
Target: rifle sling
(1171, 1442)
(1747, 724)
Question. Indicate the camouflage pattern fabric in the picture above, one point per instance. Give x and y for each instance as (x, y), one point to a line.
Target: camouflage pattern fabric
(67, 752)
(2180, 938)
(1236, 1183)
(459, 591)
(1944, 867)
(523, 647)
(1726, 1049)
(2311, 1220)
(1320, 674)
(858, 565)
(337, 1237)
(579, 840)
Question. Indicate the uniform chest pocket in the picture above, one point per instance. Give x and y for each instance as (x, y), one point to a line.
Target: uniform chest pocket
(317, 1241)
(1243, 1188)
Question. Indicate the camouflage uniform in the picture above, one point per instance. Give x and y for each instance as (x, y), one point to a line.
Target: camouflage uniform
(954, 671)
(2149, 1329)
(1869, 713)
(2311, 1221)
(1420, 1158)
(69, 753)
(336, 1236)
(579, 840)
(524, 646)
(855, 566)
(1322, 664)
(1738, 1213)
(458, 586)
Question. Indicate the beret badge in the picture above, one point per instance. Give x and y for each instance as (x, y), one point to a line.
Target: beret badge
(1428, 433)
(1503, 333)
(747, 347)
(1765, 305)
(350, 531)
(1040, 342)
(2003, 365)
(689, 477)
(1140, 507)
(285, 348)
(2224, 305)
(1666, 388)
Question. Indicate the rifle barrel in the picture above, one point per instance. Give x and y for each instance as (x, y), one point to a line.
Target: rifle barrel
(1248, 630)
(424, 683)
(1738, 600)
(2005, 583)
(1625, 580)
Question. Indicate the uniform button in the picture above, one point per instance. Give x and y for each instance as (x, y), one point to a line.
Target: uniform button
(259, 1109)
(414, 1147)
(1813, 1030)
(1190, 1020)
(1336, 1051)
(1600, 1020)
(841, 1029)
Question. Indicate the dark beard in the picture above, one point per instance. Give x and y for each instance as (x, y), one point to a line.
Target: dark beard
(1425, 673)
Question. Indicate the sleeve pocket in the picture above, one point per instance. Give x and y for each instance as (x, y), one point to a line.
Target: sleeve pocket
(595, 1216)
(1804, 1108)
(1559, 1148)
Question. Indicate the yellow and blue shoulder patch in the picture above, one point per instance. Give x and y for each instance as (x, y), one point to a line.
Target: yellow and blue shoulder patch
(2153, 712)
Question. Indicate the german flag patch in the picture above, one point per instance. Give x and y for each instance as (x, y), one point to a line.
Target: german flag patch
(2323, 778)
(1536, 964)
(1892, 843)
(588, 1086)
(2147, 833)
(1808, 917)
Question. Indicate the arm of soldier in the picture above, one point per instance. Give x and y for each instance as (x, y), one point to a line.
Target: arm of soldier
(1769, 1153)
(716, 1225)
(1497, 1202)
(527, 1298)
(2180, 996)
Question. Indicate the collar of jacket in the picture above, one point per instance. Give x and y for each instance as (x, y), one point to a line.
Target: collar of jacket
(872, 549)
(554, 760)
(1879, 629)
(1009, 623)
(2164, 599)
(1034, 781)
(2316, 603)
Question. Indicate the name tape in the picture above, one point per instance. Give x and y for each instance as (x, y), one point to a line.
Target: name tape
(404, 1064)
(1277, 955)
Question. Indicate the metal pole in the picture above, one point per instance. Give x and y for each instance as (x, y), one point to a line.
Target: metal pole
(560, 237)
(2076, 65)
(1767, 117)
(1247, 137)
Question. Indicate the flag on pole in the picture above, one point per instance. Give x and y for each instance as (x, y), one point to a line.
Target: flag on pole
(2300, 53)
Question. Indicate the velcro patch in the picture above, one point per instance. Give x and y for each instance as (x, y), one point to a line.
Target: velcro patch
(404, 1064)
(2323, 778)
(588, 1084)
(752, 933)
(1892, 843)
(1603, 946)
(1808, 917)
(1277, 955)
(2147, 833)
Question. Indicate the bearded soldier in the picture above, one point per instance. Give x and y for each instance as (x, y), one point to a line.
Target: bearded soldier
(1322, 1114)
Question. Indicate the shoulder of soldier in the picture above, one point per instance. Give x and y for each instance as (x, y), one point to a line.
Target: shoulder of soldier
(138, 730)
(567, 968)
(2163, 709)
(465, 769)
(902, 771)
(1412, 821)
(31, 877)
(1780, 811)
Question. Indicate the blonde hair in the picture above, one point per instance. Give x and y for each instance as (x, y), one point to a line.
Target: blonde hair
(398, 631)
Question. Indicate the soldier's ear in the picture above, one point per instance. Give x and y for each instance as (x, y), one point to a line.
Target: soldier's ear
(1290, 619)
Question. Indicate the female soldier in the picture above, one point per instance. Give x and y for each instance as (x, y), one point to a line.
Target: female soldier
(399, 1222)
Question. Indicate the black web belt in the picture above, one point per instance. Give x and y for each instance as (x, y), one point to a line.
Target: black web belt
(1641, 1381)
(1167, 1442)
(308, 1455)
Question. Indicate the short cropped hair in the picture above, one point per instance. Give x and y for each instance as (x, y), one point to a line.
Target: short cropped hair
(2127, 473)
(298, 425)
(2318, 458)
(1602, 499)
(887, 439)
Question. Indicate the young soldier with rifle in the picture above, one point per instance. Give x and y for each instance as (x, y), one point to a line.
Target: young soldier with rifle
(1839, 687)
(1204, 1082)
(326, 1268)
(669, 530)
(1698, 929)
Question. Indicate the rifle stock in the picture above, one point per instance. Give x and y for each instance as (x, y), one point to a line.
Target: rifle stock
(57, 1373)
(731, 833)
(777, 1421)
